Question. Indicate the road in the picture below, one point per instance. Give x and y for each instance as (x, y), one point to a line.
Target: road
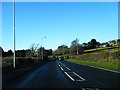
(64, 74)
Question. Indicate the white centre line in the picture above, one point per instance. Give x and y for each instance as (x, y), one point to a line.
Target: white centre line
(61, 68)
(67, 68)
(59, 65)
(69, 76)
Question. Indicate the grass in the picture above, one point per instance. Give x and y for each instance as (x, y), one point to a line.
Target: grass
(97, 49)
(106, 65)
(109, 49)
(114, 49)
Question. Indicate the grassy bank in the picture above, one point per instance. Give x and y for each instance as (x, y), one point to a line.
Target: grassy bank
(110, 56)
(107, 65)
(110, 49)
(105, 57)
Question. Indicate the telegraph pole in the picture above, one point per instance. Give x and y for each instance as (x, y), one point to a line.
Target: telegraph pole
(14, 33)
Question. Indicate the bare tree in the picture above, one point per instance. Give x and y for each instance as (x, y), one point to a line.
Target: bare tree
(34, 48)
(75, 47)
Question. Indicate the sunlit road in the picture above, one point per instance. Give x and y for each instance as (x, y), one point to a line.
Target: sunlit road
(63, 74)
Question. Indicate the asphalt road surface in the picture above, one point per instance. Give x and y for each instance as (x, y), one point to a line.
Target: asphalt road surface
(63, 74)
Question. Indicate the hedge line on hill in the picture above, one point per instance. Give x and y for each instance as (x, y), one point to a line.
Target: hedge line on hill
(20, 61)
(102, 57)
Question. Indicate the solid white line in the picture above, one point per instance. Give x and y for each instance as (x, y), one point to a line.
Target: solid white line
(67, 68)
(79, 77)
(69, 76)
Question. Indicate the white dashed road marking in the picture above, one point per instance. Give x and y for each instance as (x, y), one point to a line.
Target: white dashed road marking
(67, 68)
(58, 65)
(69, 76)
(82, 79)
(61, 68)
(72, 75)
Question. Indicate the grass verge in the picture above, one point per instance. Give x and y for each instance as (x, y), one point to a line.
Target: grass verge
(106, 65)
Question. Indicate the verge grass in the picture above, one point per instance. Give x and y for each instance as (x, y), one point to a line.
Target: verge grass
(106, 65)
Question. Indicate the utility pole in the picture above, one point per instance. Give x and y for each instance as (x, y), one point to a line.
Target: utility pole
(14, 33)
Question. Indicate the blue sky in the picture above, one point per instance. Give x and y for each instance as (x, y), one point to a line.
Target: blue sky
(60, 22)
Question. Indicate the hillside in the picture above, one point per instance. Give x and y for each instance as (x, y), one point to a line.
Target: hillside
(105, 57)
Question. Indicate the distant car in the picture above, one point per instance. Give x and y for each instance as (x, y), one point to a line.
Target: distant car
(61, 58)
(54, 58)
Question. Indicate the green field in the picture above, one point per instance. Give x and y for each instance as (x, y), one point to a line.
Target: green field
(107, 65)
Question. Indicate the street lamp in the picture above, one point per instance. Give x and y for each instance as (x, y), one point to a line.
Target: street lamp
(63, 49)
(77, 46)
(77, 50)
(41, 47)
(14, 33)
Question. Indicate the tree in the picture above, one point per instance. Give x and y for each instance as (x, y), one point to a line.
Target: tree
(93, 43)
(43, 53)
(85, 46)
(75, 47)
(9, 53)
(61, 50)
(34, 48)
(56, 52)
(118, 42)
(29, 53)
(49, 52)
(20, 53)
(1, 52)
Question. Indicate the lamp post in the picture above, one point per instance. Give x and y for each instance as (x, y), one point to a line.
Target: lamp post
(63, 49)
(77, 49)
(77, 46)
(41, 47)
(14, 33)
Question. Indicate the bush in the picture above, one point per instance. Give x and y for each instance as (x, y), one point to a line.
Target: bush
(20, 61)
